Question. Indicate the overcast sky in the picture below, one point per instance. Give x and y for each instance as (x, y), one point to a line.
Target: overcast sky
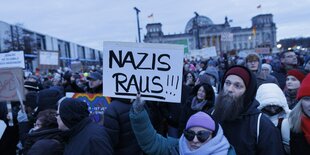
(90, 22)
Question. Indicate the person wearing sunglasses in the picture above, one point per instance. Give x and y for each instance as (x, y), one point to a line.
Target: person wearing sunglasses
(202, 135)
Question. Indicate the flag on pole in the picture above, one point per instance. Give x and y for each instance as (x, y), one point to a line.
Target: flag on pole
(259, 6)
(150, 16)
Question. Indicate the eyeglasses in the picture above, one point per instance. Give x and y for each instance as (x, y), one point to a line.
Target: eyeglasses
(202, 136)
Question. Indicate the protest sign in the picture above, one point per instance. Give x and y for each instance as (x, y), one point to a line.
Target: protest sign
(97, 104)
(11, 84)
(49, 58)
(205, 53)
(76, 66)
(2, 128)
(154, 70)
(12, 59)
(263, 50)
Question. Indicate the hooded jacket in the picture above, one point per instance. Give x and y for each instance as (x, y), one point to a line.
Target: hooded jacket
(269, 94)
(242, 132)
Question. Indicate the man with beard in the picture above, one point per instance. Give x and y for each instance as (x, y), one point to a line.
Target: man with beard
(236, 109)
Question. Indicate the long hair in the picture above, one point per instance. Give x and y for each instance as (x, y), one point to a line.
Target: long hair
(295, 118)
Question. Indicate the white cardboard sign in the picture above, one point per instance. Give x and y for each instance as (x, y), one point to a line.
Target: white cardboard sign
(12, 59)
(2, 128)
(154, 70)
(204, 52)
(49, 58)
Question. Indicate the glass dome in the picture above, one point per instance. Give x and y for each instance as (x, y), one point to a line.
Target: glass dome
(202, 21)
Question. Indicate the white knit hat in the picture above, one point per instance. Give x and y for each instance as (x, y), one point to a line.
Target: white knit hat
(271, 94)
(265, 65)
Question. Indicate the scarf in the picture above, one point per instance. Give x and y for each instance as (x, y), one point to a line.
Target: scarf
(218, 145)
(305, 126)
(196, 105)
(291, 97)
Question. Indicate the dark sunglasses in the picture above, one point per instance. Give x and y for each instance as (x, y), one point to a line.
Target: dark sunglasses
(202, 136)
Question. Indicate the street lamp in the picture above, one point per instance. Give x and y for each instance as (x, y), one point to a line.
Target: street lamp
(137, 12)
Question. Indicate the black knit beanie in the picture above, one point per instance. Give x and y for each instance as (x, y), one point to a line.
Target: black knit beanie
(72, 111)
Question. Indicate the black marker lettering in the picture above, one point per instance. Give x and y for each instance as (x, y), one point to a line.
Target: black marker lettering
(164, 63)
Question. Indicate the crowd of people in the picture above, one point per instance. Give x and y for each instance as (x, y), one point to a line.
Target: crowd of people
(230, 105)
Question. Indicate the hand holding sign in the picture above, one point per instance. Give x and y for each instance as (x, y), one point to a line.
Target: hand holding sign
(138, 104)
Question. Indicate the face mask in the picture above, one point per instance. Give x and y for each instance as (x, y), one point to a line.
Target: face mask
(272, 110)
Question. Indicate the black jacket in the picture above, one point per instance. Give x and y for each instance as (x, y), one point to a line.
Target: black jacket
(242, 133)
(117, 123)
(44, 141)
(88, 138)
(299, 144)
(10, 136)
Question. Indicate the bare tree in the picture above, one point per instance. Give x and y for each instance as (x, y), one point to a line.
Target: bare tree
(19, 39)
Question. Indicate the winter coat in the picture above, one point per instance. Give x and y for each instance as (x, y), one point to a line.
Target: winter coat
(117, 124)
(299, 144)
(44, 141)
(151, 142)
(88, 138)
(241, 133)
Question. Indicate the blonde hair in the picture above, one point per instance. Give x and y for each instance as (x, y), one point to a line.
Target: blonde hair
(295, 118)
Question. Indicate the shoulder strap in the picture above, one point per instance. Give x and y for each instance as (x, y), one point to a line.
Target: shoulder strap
(279, 125)
(258, 124)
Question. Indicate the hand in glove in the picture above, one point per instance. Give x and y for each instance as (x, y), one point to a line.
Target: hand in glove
(22, 116)
(138, 104)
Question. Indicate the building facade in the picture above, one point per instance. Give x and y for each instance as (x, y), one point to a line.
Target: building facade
(201, 32)
(18, 38)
